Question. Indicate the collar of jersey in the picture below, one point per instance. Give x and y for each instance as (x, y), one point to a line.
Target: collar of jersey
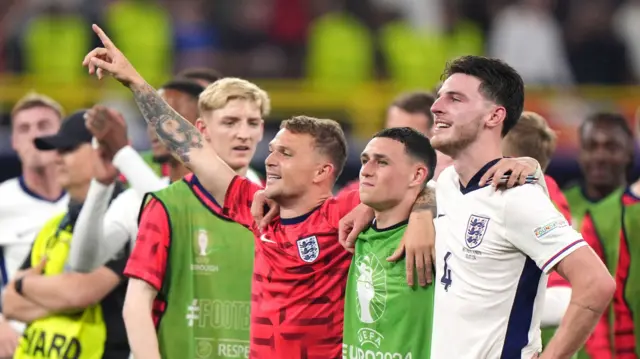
(299, 219)
(196, 183)
(374, 226)
(474, 183)
(29, 192)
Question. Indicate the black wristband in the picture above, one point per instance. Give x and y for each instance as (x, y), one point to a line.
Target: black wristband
(18, 285)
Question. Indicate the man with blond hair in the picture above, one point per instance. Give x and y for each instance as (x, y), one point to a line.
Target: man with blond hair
(191, 266)
(29, 200)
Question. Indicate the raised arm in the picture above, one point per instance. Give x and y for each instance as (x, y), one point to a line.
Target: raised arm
(181, 138)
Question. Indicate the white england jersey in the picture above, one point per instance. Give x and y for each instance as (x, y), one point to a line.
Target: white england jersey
(494, 250)
(22, 214)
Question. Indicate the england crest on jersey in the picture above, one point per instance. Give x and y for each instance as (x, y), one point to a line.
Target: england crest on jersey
(476, 228)
(308, 249)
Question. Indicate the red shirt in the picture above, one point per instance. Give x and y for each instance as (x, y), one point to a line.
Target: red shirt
(558, 198)
(599, 344)
(351, 186)
(300, 273)
(148, 260)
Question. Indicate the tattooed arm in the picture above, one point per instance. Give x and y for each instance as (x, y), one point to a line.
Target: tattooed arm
(419, 238)
(184, 141)
(426, 201)
(181, 137)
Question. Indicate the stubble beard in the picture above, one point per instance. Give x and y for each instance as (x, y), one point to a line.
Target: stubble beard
(460, 141)
(452, 147)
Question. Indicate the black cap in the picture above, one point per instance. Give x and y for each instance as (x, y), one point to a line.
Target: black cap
(72, 134)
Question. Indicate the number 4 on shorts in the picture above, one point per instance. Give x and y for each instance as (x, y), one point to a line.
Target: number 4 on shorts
(446, 276)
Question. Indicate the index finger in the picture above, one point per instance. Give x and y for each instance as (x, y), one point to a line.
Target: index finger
(106, 41)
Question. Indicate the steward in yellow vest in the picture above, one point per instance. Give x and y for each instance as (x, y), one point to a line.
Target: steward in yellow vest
(69, 315)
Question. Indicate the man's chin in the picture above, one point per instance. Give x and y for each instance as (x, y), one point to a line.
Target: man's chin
(273, 193)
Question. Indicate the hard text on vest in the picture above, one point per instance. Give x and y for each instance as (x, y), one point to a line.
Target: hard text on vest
(220, 314)
(41, 344)
(354, 352)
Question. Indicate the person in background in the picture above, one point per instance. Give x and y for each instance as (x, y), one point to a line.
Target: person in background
(30, 200)
(617, 335)
(532, 137)
(605, 157)
(169, 273)
(69, 315)
(158, 158)
(606, 152)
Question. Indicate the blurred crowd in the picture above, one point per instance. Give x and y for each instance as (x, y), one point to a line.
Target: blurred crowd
(332, 42)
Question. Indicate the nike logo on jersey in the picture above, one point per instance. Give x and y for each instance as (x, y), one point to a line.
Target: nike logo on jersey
(265, 239)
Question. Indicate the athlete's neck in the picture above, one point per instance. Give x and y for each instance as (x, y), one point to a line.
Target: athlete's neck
(300, 206)
(43, 182)
(242, 171)
(597, 193)
(469, 161)
(392, 216)
(177, 171)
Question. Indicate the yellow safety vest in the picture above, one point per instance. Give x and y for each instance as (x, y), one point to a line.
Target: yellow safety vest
(79, 335)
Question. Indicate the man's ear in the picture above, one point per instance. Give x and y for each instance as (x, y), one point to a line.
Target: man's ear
(497, 117)
(419, 176)
(201, 125)
(323, 172)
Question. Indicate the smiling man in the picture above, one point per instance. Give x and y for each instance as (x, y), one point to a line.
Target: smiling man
(492, 250)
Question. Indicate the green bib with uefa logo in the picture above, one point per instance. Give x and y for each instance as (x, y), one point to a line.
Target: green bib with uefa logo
(207, 286)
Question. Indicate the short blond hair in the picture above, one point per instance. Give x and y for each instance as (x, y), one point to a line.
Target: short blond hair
(531, 137)
(33, 100)
(219, 93)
